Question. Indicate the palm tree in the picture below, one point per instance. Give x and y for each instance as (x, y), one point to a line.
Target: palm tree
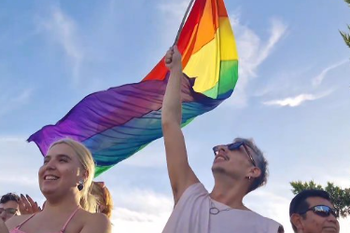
(346, 36)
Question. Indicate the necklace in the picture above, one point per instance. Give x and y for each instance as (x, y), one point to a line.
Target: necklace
(214, 210)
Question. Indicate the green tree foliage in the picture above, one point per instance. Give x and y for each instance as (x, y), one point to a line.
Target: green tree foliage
(346, 36)
(340, 197)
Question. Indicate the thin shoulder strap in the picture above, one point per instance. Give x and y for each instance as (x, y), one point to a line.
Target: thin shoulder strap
(20, 225)
(70, 218)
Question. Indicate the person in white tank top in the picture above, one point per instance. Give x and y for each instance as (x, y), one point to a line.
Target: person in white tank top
(238, 169)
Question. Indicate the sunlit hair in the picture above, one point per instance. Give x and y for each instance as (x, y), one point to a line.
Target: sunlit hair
(103, 198)
(260, 161)
(87, 200)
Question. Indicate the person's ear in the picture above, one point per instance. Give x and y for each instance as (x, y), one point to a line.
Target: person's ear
(296, 220)
(86, 175)
(254, 172)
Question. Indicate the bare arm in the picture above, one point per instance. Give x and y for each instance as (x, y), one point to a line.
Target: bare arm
(15, 221)
(3, 228)
(180, 173)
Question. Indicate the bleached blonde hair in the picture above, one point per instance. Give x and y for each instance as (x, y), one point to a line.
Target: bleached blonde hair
(87, 200)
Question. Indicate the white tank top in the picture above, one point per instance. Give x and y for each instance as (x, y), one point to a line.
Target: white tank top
(191, 215)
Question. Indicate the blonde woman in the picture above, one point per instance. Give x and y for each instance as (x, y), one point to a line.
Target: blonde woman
(65, 180)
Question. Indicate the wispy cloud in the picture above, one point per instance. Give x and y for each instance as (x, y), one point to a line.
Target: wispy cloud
(147, 201)
(274, 206)
(296, 100)
(63, 30)
(140, 210)
(25, 181)
(147, 156)
(11, 99)
(320, 77)
(253, 51)
(172, 15)
(20, 168)
(176, 9)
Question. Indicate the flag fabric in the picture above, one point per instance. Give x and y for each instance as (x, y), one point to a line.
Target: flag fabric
(116, 123)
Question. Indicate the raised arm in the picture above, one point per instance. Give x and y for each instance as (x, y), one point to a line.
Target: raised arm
(3, 228)
(14, 221)
(180, 173)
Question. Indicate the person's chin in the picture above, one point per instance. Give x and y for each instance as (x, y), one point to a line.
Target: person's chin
(46, 190)
(217, 168)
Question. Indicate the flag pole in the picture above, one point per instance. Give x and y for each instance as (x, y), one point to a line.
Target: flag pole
(183, 22)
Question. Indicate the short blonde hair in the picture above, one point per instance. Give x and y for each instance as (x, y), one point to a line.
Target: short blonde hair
(87, 200)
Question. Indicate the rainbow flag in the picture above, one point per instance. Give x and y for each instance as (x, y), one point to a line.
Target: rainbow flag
(116, 123)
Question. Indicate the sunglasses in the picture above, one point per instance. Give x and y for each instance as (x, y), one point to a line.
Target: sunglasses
(323, 211)
(236, 146)
(8, 211)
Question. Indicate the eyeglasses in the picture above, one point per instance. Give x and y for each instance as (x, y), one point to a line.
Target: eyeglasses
(323, 211)
(8, 211)
(236, 146)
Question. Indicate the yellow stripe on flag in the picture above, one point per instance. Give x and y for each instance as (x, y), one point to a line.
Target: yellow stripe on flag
(204, 65)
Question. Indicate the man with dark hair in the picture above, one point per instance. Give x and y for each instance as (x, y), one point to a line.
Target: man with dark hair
(311, 211)
(238, 169)
(9, 206)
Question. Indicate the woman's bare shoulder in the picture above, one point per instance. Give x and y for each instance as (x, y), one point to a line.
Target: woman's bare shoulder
(16, 220)
(96, 222)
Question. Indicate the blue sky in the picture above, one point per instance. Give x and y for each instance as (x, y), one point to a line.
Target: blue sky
(292, 96)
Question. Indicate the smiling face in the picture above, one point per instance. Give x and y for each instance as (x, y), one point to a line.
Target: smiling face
(60, 172)
(235, 162)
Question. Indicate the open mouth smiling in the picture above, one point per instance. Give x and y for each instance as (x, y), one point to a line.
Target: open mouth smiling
(51, 177)
(221, 158)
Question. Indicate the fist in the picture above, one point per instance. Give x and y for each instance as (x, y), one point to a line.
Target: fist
(173, 58)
